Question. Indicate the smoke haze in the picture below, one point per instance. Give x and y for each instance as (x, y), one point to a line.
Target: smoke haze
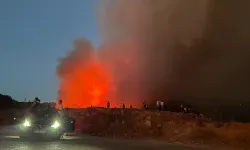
(195, 50)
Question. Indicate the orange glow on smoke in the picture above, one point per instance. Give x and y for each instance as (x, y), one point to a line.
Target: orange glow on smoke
(84, 87)
(92, 77)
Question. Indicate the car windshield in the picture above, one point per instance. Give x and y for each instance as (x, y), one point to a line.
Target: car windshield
(40, 110)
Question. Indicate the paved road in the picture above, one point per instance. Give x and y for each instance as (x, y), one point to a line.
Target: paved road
(87, 143)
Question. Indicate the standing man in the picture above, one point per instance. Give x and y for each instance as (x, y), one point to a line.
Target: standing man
(158, 105)
(60, 109)
(145, 104)
(162, 106)
(35, 107)
(108, 104)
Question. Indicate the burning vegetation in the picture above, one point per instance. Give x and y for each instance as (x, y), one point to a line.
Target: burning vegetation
(165, 50)
(84, 81)
(91, 77)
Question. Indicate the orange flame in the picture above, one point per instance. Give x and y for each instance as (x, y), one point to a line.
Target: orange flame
(84, 87)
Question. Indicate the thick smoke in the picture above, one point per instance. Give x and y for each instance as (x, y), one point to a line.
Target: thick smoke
(166, 31)
(83, 80)
(195, 50)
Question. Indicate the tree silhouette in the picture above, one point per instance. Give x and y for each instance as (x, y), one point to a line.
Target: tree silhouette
(8, 102)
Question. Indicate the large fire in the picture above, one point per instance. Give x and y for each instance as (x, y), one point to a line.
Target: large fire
(90, 77)
(83, 81)
(86, 86)
(159, 52)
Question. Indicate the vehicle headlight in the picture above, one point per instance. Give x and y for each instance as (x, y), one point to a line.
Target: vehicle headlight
(55, 125)
(26, 123)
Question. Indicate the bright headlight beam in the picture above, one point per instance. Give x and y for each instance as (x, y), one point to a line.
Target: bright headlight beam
(26, 123)
(56, 124)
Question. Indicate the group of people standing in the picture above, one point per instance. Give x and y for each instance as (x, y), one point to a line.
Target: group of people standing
(122, 105)
(160, 105)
